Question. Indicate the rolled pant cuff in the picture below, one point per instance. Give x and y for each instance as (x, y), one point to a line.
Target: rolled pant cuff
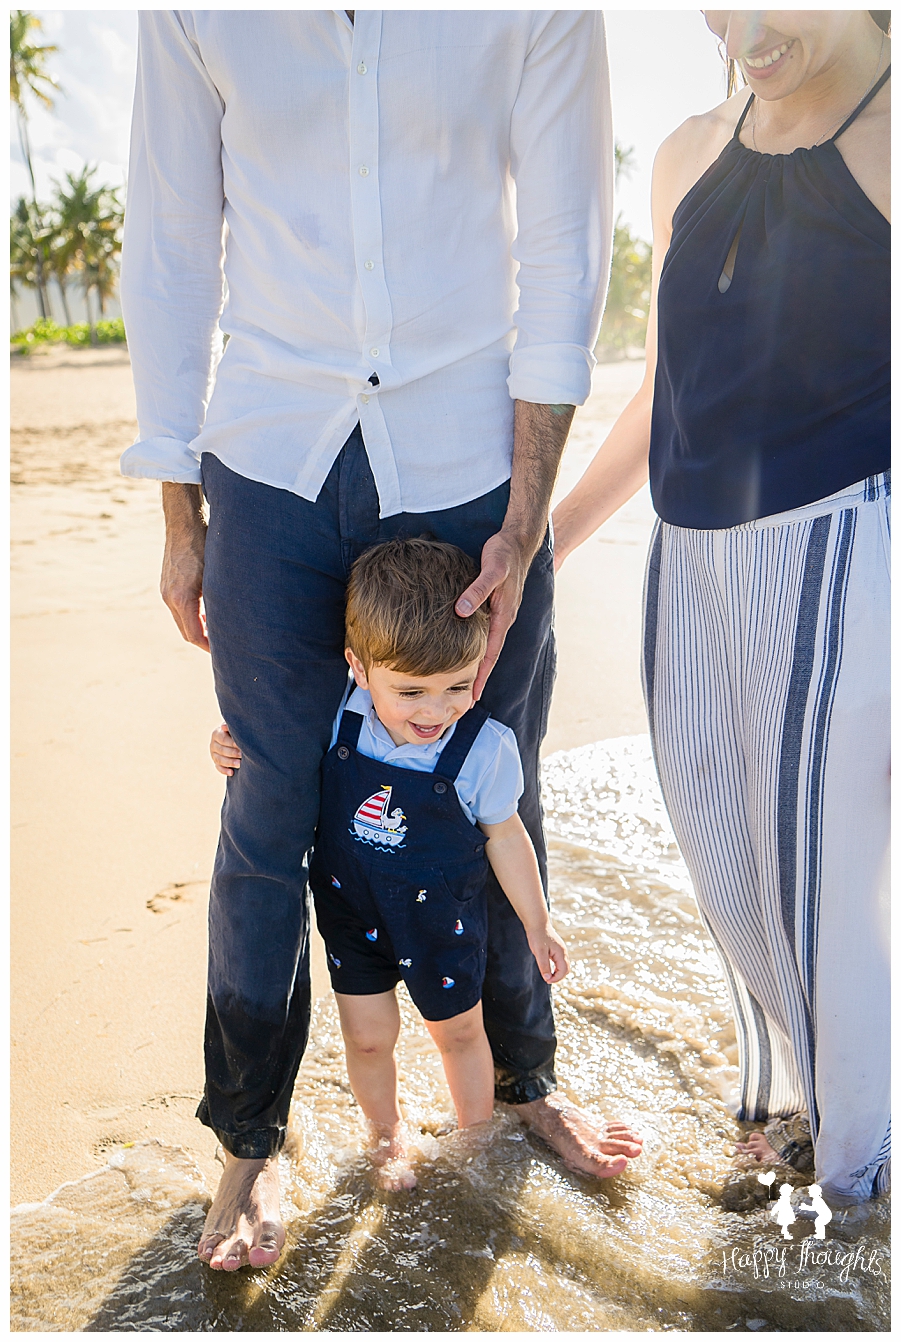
(252, 1144)
(510, 1090)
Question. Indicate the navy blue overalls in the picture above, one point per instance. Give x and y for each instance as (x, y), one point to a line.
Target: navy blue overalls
(398, 875)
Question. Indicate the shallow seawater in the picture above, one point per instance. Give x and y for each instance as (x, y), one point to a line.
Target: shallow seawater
(498, 1235)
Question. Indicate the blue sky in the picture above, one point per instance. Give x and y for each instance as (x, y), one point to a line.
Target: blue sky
(664, 67)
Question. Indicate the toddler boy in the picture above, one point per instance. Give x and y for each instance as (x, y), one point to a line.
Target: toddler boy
(419, 794)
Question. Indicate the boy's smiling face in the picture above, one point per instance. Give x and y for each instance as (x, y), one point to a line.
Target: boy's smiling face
(415, 710)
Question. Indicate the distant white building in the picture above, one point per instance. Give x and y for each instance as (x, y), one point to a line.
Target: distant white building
(24, 310)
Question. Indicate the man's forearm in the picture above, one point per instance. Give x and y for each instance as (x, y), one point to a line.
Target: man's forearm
(183, 511)
(539, 436)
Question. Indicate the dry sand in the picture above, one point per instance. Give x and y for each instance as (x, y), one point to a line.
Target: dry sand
(115, 801)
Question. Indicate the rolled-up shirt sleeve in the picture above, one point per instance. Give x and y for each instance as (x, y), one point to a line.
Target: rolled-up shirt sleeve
(172, 283)
(562, 164)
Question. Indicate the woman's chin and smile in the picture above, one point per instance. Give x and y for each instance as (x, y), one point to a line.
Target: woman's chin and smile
(768, 62)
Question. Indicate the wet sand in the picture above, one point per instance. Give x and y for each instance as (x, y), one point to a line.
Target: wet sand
(115, 801)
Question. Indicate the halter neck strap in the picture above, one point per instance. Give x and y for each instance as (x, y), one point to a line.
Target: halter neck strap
(741, 119)
(862, 104)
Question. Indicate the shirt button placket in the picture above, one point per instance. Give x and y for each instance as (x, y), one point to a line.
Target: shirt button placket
(364, 119)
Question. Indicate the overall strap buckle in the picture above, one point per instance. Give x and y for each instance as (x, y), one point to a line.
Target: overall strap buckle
(453, 756)
(348, 731)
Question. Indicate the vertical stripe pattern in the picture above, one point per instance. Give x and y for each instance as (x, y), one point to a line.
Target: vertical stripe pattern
(765, 668)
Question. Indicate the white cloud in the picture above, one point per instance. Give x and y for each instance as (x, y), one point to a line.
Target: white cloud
(89, 123)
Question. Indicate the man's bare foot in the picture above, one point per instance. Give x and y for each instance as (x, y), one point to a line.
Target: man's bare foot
(390, 1158)
(758, 1147)
(582, 1147)
(244, 1225)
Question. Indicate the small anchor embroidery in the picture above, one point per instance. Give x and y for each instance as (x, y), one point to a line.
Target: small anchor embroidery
(447, 983)
(420, 898)
(458, 928)
(405, 963)
(372, 934)
(334, 959)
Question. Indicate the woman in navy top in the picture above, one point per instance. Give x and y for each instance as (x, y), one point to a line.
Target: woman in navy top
(763, 419)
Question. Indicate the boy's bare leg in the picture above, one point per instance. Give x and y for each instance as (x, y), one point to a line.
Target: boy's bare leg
(468, 1064)
(244, 1225)
(370, 1025)
(582, 1146)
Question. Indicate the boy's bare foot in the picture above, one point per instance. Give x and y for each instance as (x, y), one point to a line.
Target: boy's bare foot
(758, 1146)
(582, 1147)
(244, 1225)
(390, 1158)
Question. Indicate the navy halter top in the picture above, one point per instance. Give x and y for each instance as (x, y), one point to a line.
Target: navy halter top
(772, 389)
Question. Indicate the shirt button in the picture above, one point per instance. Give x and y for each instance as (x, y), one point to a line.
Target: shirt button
(365, 400)
(369, 264)
(361, 68)
(364, 172)
(374, 353)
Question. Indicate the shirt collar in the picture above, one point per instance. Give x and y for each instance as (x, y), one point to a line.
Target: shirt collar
(360, 702)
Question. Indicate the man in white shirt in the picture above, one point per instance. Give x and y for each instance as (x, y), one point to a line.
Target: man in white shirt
(402, 222)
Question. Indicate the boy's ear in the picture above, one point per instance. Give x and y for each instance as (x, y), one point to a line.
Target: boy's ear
(357, 667)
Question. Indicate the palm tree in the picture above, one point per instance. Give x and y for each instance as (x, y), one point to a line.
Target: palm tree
(27, 74)
(61, 262)
(89, 233)
(29, 246)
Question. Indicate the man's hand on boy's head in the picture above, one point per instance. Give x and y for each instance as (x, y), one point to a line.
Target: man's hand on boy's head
(539, 436)
(505, 564)
(226, 755)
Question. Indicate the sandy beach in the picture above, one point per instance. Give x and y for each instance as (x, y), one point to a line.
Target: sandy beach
(115, 801)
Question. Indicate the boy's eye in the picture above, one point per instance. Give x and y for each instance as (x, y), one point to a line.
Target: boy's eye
(410, 694)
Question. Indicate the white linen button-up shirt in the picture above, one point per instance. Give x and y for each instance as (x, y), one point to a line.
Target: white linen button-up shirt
(422, 196)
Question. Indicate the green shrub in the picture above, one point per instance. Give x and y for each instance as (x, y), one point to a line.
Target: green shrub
(46, 332)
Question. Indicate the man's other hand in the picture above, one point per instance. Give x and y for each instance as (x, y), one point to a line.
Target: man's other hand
(505, 563)
(181, 583)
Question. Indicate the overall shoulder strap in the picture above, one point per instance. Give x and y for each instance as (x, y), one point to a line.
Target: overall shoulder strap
(349, 729)
(450, 761)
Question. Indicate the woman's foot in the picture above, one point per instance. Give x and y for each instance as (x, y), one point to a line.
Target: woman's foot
(390, 1159)
(758, 1147)
(244, 1225)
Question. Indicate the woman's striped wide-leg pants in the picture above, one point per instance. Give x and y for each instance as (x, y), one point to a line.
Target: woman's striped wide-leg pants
(766, 674)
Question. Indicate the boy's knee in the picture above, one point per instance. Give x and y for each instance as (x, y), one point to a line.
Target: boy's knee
(458, 1032)
(369, 1042)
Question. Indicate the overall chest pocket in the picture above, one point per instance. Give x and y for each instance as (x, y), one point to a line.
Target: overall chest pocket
(466, 881)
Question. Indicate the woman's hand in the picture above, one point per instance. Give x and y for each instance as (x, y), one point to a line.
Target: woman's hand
(226, 755)
(549, 950)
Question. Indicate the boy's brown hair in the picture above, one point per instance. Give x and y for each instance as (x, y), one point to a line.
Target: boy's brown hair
(400, 608)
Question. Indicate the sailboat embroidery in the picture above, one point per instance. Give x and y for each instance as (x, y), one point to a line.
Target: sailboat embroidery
(373, 824)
